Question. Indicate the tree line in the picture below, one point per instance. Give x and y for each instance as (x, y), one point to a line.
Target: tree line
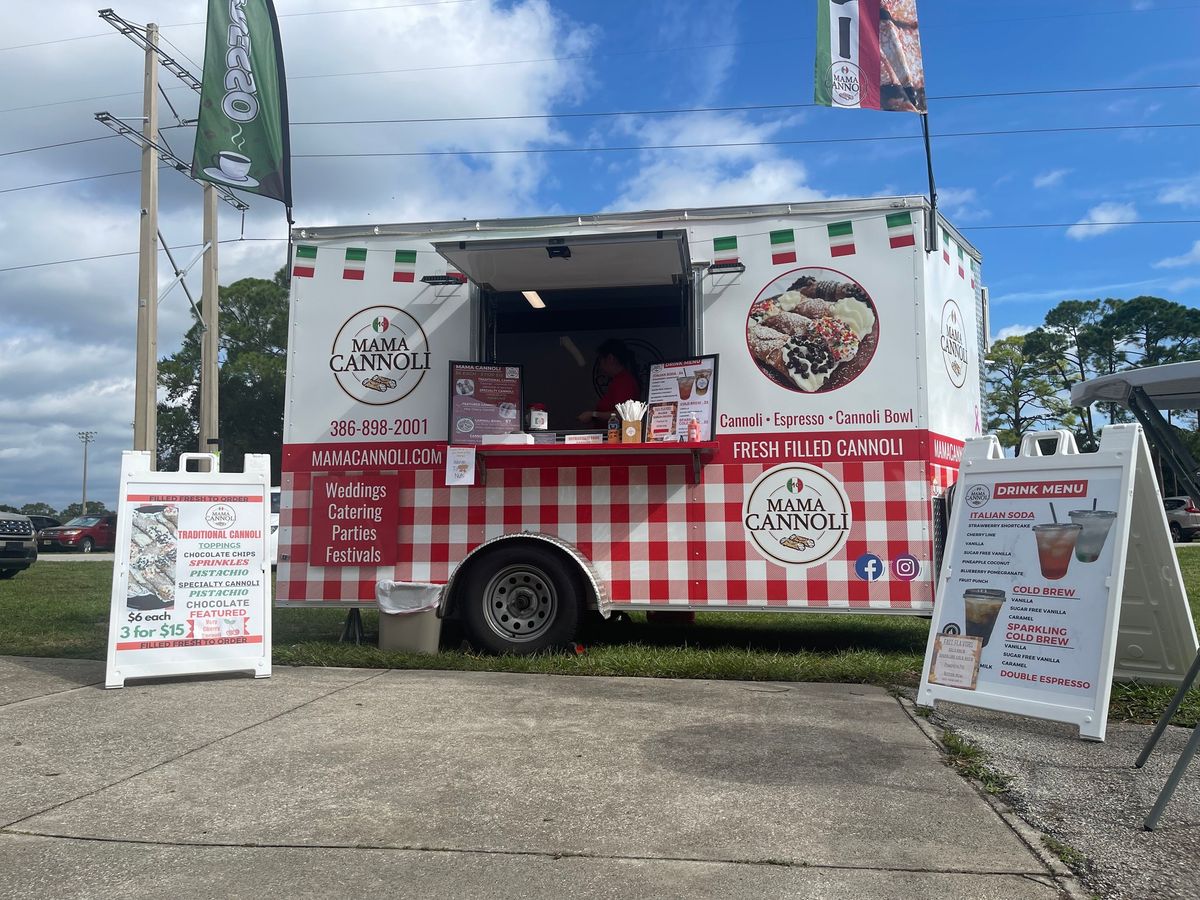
(94, 508)
(1029, 377)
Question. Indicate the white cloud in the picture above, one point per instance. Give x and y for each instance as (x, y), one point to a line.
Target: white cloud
(1051, 179)
(1185, 192)
(961, 204)
(1191, 258)
(1102, 219)
(1183, 284)
(712, 176)
(1013, 331)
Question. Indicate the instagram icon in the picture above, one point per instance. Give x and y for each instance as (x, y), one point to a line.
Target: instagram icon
(905, 567)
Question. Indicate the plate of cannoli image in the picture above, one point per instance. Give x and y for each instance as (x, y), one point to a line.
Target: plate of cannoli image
(812, 330)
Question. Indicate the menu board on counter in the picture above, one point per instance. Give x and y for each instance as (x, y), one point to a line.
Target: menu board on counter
(1030, 597)
(191, 586)
(353, 520)
(679, 392)
(484, 399)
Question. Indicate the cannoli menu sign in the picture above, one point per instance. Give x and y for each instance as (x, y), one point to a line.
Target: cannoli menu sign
(191, 583)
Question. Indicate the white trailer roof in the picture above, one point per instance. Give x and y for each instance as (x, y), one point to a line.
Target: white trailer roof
(1173, 386)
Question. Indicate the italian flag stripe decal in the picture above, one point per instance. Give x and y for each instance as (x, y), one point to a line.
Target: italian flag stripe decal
(946, 246)
(900, 230)
(406, 266)
(961, 273)
(725, 250)
(841, 238)
(783, 247)
(305, 263)
(356, 264)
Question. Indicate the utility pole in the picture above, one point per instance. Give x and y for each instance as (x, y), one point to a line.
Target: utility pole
(145, 408)
(87, 437)
(210, 339)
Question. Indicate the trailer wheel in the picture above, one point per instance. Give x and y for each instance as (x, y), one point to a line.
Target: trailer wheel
(519, 599)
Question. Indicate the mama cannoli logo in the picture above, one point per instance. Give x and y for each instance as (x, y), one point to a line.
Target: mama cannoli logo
(797, 515)
(954, 348)
(380, 355)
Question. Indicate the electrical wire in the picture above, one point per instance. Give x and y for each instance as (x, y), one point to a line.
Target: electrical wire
(103, 137)
(736, 144)
(63, 262)
(29, 187)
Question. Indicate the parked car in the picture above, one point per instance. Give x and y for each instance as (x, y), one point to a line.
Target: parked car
(18, 549)
(40, 522)
(1183, 518)
(85, 534)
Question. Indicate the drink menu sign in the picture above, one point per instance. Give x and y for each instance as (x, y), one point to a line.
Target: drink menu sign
(191, 584)
(680, 392)
(484, 399)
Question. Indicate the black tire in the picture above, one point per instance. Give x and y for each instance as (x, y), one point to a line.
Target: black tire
(1176, 533)
(87, 546)
(8, 573)
(519, 599)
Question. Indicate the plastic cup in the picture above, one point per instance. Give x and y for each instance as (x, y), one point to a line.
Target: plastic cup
(983, 608)
(1096, 523)
(1055, 544)
(703, 380)
(685, 386)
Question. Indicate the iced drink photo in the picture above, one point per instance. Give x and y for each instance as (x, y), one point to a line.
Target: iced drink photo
(1096, 524)
(685, 386)
(1055, 544)
(983, 608)
(703, 380)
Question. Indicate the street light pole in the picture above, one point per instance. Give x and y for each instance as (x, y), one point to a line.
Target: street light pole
(87, 437)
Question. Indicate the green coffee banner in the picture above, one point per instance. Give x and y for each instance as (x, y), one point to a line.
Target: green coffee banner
(242, 134)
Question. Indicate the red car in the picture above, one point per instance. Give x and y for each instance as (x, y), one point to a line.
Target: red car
(85, 534)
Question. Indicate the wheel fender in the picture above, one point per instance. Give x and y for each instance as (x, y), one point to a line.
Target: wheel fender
(599, 599)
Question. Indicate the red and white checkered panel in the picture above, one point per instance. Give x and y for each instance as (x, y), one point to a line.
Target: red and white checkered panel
(654, 537)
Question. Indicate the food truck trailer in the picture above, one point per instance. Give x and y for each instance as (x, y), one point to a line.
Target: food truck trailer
(835, 362)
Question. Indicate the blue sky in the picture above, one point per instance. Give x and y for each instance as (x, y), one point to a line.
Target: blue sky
(66, 331)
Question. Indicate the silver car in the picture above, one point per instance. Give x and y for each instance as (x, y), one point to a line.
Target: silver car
(1183, 518)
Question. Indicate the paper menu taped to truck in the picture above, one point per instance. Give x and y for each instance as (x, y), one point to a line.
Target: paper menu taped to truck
(484, 399)
(191, 585)
(1035, 566)
(679, 392)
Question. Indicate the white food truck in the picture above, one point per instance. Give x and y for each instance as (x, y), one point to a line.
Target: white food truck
(835, 362)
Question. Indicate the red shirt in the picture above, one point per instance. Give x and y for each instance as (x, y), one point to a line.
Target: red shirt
(622, 387)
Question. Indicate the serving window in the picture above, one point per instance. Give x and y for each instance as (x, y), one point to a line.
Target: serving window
(549, 304)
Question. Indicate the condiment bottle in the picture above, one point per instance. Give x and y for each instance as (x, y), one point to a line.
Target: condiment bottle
(694, 431)
(614, 428)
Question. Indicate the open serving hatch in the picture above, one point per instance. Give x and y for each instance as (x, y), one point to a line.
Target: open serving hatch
(626, 259)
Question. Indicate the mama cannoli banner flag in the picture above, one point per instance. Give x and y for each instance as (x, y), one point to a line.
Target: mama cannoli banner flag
(869, 55)
(242, 132)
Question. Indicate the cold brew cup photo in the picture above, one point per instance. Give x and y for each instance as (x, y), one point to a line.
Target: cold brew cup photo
(1095, 525)
(983, 608)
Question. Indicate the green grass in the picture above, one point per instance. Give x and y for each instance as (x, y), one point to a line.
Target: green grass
(969, 760)
(61, 609)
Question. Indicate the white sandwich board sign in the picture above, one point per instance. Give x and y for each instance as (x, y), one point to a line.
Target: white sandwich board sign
(191, 589)
(1060, 575)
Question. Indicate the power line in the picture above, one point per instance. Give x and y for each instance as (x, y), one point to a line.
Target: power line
(29, 187)
(735, 144)
(104, 137)
(645, 147)
(63, 262)
(717, 109)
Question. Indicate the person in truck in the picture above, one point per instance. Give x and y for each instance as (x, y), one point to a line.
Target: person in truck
(615, 360)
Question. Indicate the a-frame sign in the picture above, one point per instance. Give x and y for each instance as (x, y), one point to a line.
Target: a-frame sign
(1060, 575)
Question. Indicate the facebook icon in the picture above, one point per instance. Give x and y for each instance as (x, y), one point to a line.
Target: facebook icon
(869, 567)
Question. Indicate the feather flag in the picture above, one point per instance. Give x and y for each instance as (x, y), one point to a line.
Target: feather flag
(869, 55)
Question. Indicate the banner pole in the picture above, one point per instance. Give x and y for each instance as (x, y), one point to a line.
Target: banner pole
(931, 238)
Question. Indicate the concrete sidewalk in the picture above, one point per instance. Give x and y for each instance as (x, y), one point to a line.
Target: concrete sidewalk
(337, 782)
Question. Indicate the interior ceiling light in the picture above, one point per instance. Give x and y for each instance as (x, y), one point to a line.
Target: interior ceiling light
(534, 300)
